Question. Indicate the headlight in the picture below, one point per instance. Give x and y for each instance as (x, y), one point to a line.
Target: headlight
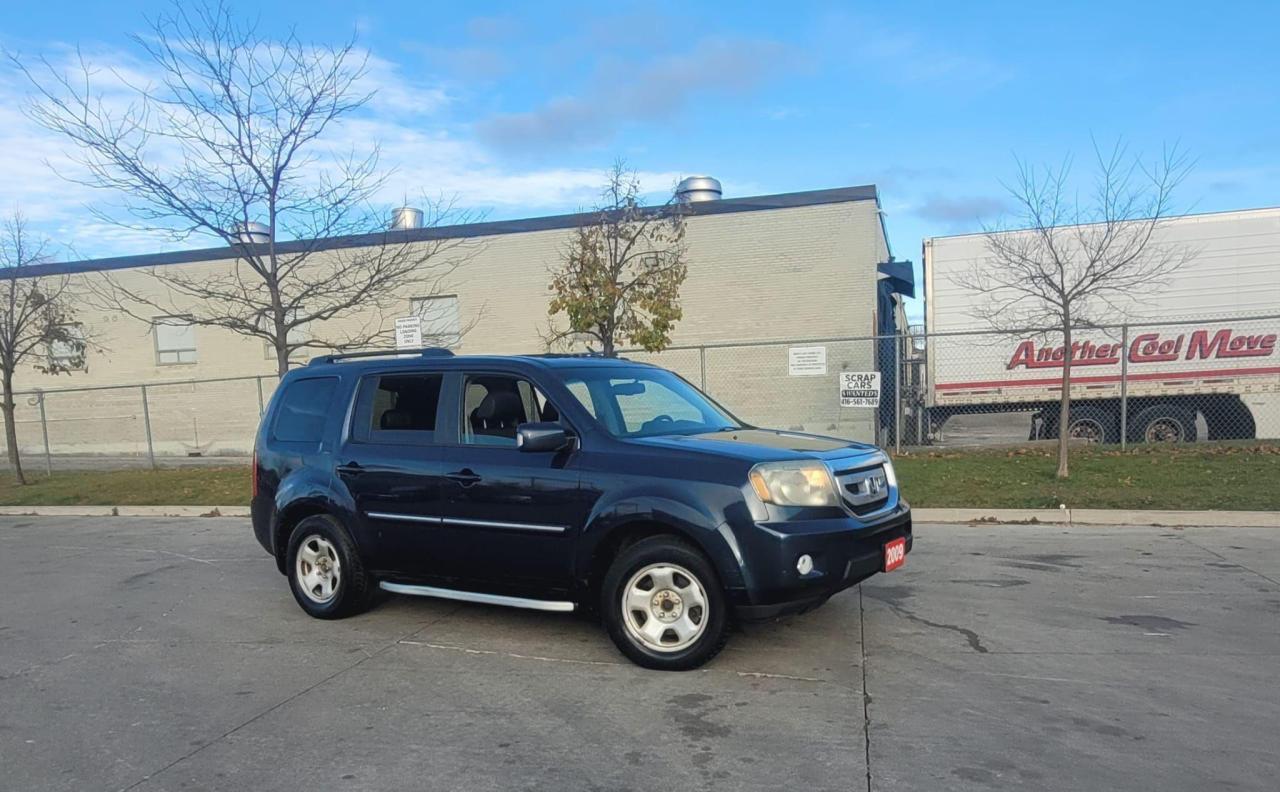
(889, 475)
(794, 484)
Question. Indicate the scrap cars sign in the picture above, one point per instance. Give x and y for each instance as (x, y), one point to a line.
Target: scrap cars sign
(1201, 344)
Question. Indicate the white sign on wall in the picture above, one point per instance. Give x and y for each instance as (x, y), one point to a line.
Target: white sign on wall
(859, 389)
(409, 332)
(807, 361)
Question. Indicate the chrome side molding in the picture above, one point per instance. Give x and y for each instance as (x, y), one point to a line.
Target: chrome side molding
(432, 520)
(475, 596)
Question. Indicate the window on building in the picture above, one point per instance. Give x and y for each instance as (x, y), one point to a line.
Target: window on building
(175, 340)
(69, 355)
(303, 409)
(440, 323)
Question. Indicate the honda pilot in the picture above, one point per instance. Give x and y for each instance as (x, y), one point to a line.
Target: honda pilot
(561, 483)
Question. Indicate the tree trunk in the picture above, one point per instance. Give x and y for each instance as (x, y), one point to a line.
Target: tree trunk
(282, 359)
(11, 428)
(1064, 406)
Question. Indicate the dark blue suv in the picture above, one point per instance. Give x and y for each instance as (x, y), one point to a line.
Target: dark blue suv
(561, 483)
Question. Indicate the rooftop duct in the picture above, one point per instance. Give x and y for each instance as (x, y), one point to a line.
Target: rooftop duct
(253, 234)
(698, 188)
(405, 218)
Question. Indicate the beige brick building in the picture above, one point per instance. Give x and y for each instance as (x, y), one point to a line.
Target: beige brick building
(778, 268)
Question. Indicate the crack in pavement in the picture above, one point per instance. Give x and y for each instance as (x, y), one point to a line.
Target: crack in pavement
(1221, 557)
(974, 640)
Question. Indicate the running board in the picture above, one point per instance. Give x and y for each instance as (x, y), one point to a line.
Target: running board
(475, 596)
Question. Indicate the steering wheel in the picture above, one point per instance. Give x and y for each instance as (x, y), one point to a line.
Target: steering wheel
(664, 418)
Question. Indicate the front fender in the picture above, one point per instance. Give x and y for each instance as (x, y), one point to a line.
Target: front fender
(694, 516)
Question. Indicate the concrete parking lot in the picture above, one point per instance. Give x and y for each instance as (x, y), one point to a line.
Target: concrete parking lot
(158, 654)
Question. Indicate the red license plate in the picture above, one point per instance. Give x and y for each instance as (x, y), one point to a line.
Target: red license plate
(895, 553)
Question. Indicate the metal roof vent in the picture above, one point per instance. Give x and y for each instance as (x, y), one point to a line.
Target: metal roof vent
(698, 188)
(405, 218)
(253, 233)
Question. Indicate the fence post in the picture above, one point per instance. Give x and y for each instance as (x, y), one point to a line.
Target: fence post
(44, 430)
(702, 364)
(1124, 387)
(897, 394)
(261, 408)
(146, 425)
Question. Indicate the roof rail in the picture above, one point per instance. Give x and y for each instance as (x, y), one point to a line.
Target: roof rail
(589, 354)
(425, 352)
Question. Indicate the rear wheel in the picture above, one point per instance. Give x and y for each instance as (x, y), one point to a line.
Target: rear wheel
(1165, 423)
(663, 605)
(326, 573)
(1093, 425)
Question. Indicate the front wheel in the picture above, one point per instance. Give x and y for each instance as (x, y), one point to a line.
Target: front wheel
(663, 605)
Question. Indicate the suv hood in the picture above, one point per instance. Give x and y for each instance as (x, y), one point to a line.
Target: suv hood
(761, 445)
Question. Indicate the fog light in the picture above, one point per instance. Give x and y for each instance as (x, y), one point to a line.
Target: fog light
(804, 564)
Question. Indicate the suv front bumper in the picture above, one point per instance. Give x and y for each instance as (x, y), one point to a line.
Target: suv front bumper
(844, 554)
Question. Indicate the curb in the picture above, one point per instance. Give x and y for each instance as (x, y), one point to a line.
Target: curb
(124, 511)
(1172, 519)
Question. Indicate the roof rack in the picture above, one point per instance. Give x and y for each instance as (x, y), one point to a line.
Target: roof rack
(592, 354)
(425, 352)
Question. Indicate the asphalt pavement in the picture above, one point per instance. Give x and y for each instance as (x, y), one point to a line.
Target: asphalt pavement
(167, 654)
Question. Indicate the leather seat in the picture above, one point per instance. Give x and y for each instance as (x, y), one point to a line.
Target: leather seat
(396, 419)
(497, 416)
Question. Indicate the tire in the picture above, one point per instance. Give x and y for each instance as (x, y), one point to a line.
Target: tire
(326, 574)
(1093, 424)
(1164, 423)
(662, 576)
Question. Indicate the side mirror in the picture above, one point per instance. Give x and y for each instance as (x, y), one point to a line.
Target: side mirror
(543, 436)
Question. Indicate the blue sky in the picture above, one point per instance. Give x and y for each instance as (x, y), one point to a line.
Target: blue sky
(516, 109)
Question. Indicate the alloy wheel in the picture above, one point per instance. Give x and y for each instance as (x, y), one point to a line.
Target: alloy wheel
(318, 570)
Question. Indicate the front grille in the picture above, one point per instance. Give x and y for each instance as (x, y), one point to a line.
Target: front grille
(865, 490)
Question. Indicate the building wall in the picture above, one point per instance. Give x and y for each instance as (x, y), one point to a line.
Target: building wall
(776, 274)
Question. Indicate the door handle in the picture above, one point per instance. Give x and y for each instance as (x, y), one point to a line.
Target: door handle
(466, 477)
(351, 469)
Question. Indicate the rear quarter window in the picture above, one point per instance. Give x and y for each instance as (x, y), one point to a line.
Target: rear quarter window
(304, 407)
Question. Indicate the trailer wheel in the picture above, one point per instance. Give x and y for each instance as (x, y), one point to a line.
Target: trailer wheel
(1165, 423)
(1093, 425)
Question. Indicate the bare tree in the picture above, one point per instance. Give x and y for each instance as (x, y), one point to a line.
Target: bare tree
(620, 275)
(37, 322)
(1072, 259)
(225, 141)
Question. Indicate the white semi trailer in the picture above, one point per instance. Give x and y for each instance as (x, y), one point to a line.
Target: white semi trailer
(1199, 358)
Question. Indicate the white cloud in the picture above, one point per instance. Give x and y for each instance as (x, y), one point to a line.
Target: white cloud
(426, 158)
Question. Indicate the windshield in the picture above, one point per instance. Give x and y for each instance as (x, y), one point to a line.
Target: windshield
(644, 402)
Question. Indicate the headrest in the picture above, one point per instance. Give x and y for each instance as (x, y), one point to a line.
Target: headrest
(499, 406)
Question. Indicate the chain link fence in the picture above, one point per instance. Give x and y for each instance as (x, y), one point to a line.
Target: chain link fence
(1177, 381)
(181, 419)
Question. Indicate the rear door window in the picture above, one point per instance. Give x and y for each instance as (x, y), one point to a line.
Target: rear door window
(398, 408)
(303, 409)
